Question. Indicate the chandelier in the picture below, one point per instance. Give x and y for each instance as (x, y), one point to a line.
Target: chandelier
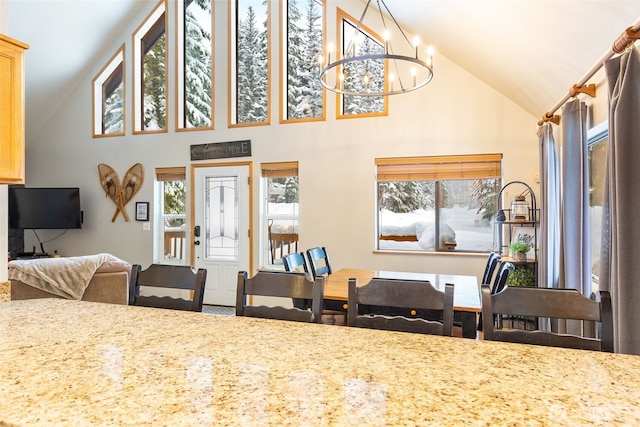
(364, 71)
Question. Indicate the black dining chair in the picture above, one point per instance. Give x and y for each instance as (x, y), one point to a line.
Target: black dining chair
(492, 262)
(297, 262)
(413, 295)
(319, 261)
(502, 276)
(547, 303)
(283, 285)
(180, 277)
(499, 282)
(320, 265)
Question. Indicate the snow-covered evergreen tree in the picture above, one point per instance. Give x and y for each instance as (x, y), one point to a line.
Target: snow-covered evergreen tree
(197, 66)
(364, 76)
(113, 112)
(252, 70)
(154, 86)
(304, 44)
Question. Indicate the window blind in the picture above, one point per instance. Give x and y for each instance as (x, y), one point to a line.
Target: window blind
(279, 169)
(171, 174)
(439, 168)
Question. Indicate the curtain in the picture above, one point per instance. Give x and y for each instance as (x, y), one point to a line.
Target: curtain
(575, 254)
(548, 257)
(575, 257)
(620, 258)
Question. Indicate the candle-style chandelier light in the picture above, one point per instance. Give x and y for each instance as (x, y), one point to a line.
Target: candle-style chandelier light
(355, 72)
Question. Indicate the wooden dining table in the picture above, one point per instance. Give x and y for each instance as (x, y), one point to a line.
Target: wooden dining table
(79, 363)
(466, 293)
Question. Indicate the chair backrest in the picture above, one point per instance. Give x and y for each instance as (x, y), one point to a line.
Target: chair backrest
(295, 262)
(284, 285)
(547, 303)
(490, 268)
(180, 277)
(319, 261)
(500, 282)
(413, 294)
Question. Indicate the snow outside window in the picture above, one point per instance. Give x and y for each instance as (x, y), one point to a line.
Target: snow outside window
(441, 203)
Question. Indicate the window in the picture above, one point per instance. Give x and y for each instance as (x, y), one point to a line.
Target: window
(172, 223)
(150, 73)
(303, 97)
(250, 84)
(280, 210)
(597, 141)
(108, 97)
(446, 199)
(358, 76)
(194, 64)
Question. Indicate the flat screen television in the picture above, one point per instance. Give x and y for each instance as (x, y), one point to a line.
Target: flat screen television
(44, 208)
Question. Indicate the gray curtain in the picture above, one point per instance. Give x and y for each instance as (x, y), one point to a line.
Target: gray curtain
(620, 258)
(575, 254)
(575, 257)
(549, 238)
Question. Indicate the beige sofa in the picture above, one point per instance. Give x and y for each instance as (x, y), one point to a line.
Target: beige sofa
(109, 284)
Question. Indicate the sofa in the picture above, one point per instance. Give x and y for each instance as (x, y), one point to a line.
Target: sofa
(100, 278)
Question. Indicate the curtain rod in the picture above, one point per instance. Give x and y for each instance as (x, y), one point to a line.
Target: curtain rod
(628, 37)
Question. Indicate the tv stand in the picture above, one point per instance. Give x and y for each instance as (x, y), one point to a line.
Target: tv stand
(33, 255)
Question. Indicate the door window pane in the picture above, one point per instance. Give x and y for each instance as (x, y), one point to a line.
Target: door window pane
(221, 217)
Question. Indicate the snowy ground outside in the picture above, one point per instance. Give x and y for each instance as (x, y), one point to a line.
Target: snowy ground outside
(462, 224)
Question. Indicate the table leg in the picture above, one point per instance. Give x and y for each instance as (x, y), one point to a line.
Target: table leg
(469, 324)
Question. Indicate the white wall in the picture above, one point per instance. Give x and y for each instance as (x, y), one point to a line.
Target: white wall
(455, 114)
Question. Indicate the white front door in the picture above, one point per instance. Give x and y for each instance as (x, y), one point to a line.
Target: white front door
(221, 229)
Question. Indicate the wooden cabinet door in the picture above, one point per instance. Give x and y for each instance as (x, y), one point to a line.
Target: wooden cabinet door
(11, 110)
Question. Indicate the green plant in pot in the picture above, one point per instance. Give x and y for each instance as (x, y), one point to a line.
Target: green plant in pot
(523, 275)
(520, 250)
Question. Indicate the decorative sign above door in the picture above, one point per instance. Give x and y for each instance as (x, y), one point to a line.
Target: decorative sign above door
(221, 150)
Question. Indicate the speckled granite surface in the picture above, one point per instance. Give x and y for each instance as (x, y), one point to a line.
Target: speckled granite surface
(5, 291)
(76, 363)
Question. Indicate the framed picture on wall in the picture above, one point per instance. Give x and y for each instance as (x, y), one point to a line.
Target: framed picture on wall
(526, 235)
(142, 211)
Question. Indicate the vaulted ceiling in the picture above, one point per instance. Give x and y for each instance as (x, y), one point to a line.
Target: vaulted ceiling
(532, 51)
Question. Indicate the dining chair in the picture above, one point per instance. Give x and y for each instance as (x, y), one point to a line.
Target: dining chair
(283, 285)
(502, 276)
(409, 294)
(500, 281)
(320, 265)
(492, 262)
(296, 261)
(176, 277)
(319, 261)
(547, 303)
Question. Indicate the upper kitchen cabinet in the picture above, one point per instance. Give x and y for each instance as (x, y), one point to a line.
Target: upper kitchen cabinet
(11, 110)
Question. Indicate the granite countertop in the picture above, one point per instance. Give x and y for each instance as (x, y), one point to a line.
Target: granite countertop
(78, 363)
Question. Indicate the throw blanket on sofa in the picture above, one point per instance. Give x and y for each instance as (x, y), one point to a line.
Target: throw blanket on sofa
(65, 277)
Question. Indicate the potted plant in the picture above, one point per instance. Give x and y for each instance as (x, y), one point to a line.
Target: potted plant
(519, 250)
(523, 275)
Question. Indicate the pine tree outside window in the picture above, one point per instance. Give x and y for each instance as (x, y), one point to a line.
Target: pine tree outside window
(302, 95)
(150, 73)
(171, 202)
(194, 64)
(250, 83)
(360, 75)
(439, 203)
(108, 97)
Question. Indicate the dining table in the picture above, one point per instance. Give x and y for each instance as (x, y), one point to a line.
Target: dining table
(79, 363)
(466, 292)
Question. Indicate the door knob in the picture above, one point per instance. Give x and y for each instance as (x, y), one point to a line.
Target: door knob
(197, 242)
